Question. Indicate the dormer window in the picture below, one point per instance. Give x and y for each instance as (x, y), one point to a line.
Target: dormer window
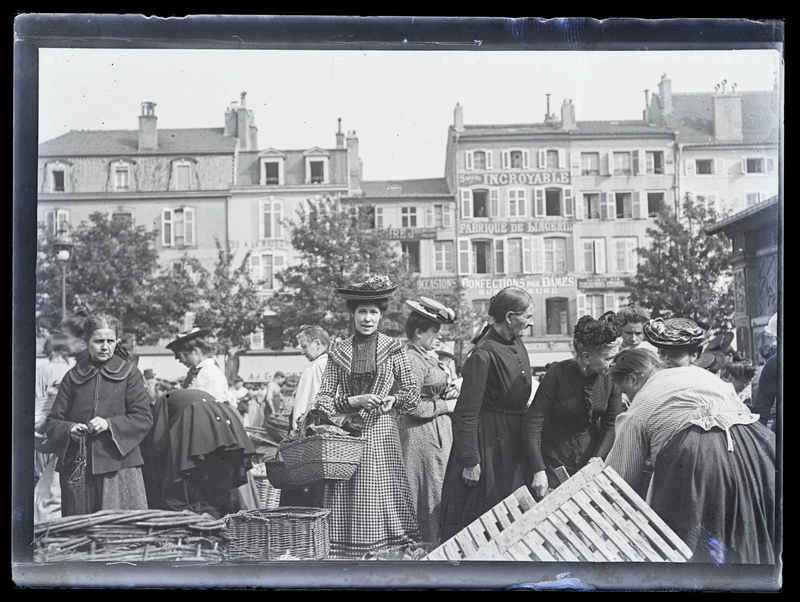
(271, 168)
(57, 177)
(182, 174)
(317, 167)
(122, 177)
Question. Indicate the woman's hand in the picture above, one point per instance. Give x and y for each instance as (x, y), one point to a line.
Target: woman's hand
(366, 402)
(77, 430)
(387, 404)
(594, 460)
(540, 484)
(98, 425)
(451, 392)
(471, 475)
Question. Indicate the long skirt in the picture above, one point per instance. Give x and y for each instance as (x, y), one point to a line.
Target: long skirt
(121, 490)
(504, 469)
(720, 502)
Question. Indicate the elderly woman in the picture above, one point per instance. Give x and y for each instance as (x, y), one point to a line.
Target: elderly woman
(487, 462)
(571, 418)
(679, 340)
(368, 374)
(102, 405)
(713, 464)
(426, 434)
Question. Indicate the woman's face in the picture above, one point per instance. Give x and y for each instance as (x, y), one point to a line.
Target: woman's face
(428, 339)
(600, 359)
(101, 344)
(674, 358)
(367, 317)
(519, 322)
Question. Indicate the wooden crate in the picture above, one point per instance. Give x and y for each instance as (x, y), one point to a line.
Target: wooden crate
(593, 517)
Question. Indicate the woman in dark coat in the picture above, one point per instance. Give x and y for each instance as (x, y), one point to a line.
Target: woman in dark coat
(571, 418)
(103, 401)
(487, 461)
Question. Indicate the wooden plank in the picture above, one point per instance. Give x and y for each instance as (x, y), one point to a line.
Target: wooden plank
(535, 543)
(517, 552)
(490, 525)
(464, 540)
(478, 533)
(608, 529)
(501, 517)
(525, 499)
(678, 544)
(561, 522)
(604, 549)
(512, 507)
(640, 519)
(631, 533)
(548, 531)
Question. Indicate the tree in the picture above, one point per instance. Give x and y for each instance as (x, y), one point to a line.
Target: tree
(337, 246)
(685, 272)
(468, 322)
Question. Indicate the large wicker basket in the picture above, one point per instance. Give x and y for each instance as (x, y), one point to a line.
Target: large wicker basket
(286, 533)
(269, 496)
(319, 457)
(131, 536)
(278, 474)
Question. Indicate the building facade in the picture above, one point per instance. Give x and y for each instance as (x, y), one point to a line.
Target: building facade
(558, 208)
(728, 142)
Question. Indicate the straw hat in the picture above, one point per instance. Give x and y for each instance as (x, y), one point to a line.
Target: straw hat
(192, 334)
(433, 310)
(375, 288)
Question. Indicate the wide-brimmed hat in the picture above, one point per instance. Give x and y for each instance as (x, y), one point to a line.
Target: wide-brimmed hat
(674, 333)
(446, 350)
(720, 342)
(712, 361)
(433, 310)
(192, 334)
(375, 288)
(148, 373)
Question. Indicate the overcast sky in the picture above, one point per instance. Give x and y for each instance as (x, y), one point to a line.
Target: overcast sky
(400, 103)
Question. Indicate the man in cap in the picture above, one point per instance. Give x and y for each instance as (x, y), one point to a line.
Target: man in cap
(150, 383)
(273, 400)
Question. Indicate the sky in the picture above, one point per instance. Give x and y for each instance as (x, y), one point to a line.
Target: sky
(400, 103)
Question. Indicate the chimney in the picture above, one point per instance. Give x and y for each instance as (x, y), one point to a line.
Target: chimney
(340, 136)
(665, 92)
(230, 119)
(243, 123)
(549, 118)
(353, 161)
(568, 116)
(727, 115)
(148, 133)
(458, 124)
(646, 112)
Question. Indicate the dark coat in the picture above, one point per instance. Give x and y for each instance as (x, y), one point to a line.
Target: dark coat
(114, 391)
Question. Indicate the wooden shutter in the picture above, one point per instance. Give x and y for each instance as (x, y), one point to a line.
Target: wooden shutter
(527, 258)
(499, 256)
(167, 224)
(489, 161)
(608, 206)
(579, 206)
(574, 164)
(494, 202)
(505, 159)
(537, 255)
(526, 159)
(429, 216)
(669, 162)
(770, 165)
(581, 303)
(688, 167)
(744, 165)
(638, 159)
(255, 268)
(636, 206)
(468, 160)
(464, 256)
(567, 201)
(631, 254)
(466, 203)
(599, 245)
(542, 158)
(719, 167)
(609, 302)
(189, 230)
(608, 163)
(538, 202)
(562, 158)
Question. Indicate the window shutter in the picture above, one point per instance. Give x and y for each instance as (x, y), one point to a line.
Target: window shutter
(570, 245)
(630, 252)
(464, 259)
(50, 223)
(669, 162)
(489, 161)
(505, 159)
(562, 158)
(719, 167)
(447, 216)
(538, 202)
(688, 167)
(600, 256)
(638, 166)
(608, 209)
(466, 203)
(636, 199)
(567, 201)
(277, 216)
(574, 164)
(609, 302)
(770, 165)
(542, 158)
(608, 158)
(581, 299)
(468, 160)
(499, 256)
(537, 255)
(522, 202)
(255, 268)
(526, 159)
(189, 230)
(279, 261)
(429, 216)
(261, 209)
(494, 203)
(579, 206)
(526, 255)
(166, 227)
(744, 165)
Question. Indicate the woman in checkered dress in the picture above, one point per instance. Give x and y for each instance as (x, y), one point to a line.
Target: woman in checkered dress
(369, 374)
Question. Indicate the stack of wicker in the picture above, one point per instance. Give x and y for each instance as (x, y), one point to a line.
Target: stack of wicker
(134, 535)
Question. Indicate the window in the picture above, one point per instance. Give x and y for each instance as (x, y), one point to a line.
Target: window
(481, 257)
(595, 305)
(317, 172)
(707, 199)
(379, 222)
(443, 216)
(272, 173)
(557, 309)
(317, 168)
(623, 164)
(655, 203)
(594, 255)
(624, 204)
(480, 203)
(655, 162)
(408, 217)
(481, 306)
(590, 164)
(555, 255)
(516, 159)
(122, 176)
(122, 217)
(56, 177)
(753, 198)
(56, 223)
(591, 205)
(264, 266)
(758, 165)
(271, 218)
(57, 180)
(410, 251)
(516, 202)
(257, 339)
(704, 167)
(271, 168)
(479, 158)
(443, 256)
(182, 174)
(625, 255)
(552, 202)
(513, 256)
(178, 227)
(552, 159)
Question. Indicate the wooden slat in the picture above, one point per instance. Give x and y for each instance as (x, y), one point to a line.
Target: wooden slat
(512, 506)
(608, 529)
(678, 544)
(525, 498)
(464, 541)
(606, 551)
(501, 517)
(548, 531)
(640, 519)
(560, 521)
(478, 533)
(535, 543)
(519, 552)
(490, 525)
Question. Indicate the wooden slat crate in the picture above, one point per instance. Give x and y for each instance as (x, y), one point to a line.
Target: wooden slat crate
(593, 517)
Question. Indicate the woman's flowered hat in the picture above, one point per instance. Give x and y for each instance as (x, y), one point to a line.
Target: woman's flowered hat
(375, 288)
(674, 333)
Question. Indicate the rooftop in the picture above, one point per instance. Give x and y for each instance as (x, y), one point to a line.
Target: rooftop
(405, 188)
(126, 142)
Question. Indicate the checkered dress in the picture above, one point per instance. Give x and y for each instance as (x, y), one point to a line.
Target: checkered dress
(373, 511)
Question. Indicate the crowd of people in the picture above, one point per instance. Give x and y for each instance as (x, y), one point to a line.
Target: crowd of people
(676, 413)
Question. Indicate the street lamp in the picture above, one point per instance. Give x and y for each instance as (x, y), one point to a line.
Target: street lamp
(63, 249)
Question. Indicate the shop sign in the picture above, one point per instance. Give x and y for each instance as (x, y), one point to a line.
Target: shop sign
(536, 285)
(602, 283)
(411, 233)
(525, 178)
(264, 243)
(529, 227)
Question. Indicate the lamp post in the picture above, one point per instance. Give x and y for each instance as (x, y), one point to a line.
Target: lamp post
(63, 248)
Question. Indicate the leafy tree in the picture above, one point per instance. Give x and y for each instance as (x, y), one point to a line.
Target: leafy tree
(685, 272)
(337, 246)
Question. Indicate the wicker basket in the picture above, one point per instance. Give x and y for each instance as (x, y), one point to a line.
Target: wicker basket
(278, 475)
(286, 533)
(131, 536)
(318, 457)
(269, 497)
